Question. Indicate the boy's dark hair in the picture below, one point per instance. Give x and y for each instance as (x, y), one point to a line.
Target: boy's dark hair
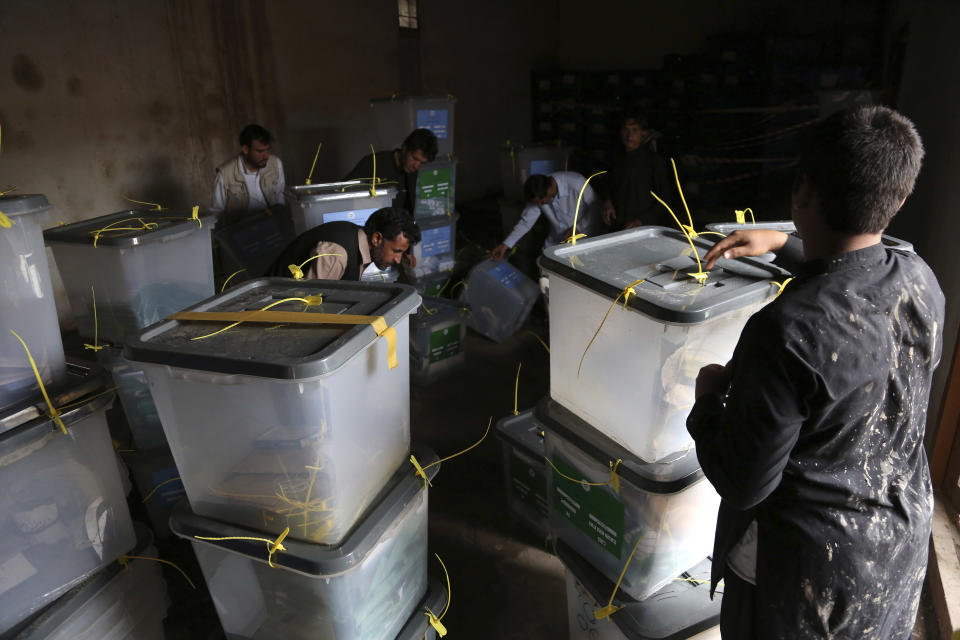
(391, 222)
(536, 187)
(424, 141)
(637, 116)
(862, 164)
(253, 132)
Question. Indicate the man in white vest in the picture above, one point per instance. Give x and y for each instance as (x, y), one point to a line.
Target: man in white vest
(253, 180)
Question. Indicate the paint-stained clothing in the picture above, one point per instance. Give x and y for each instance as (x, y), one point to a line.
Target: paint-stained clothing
(820, 440)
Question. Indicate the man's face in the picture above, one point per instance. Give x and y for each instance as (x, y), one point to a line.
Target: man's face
(385, 252)
(411, 161)
(551, 194)
(632, 135)
(256, 155)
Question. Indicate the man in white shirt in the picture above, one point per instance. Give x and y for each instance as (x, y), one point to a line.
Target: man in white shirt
(554, 196)
(252, 181)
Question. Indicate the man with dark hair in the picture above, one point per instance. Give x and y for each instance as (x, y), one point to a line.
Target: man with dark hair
(636, 172)
(253, 181)
(555, 196)
(400, 166)
(344, 251)
(813, 433)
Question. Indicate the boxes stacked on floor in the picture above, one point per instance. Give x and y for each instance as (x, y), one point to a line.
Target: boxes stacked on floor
(273, 429)
(630, 327)
(500, 298)
(64, 514)
(434, 198)
(123, 272)
(437, 335)
(352, 201)
(525, 470)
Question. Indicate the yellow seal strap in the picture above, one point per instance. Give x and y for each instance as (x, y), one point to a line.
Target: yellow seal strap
(625, 294)
(315, 156)
(574, 236)
(5, 222)
(540, 340)
(378, 323)
(676, 177)
(96, 345)
(780, 286)
(373, 184)
(741, 216)
(700, 275)
(431, 616)
(272, 545)
(420, 471)
(613, 476)
(154, 490)
(516, 388)
(111, 228)
(53, 413)
(125, 559)
(195, 215)
(225, 282)
(152, 204)
(296, 270)
(8, 190)
(605, 612)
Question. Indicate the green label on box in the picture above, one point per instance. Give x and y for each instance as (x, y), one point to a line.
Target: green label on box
(434, 183)
(528, 484)
(591, 509)
(434, 289)
(444, 343)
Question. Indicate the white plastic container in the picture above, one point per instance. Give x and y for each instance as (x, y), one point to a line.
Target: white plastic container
(525, 471)
(437, 241)
(136, 277)
(395, 118)
(63, 512)
(645, 359)
(364, 588)
(500, 298)
(26, 302)
(289, 435)
(670, 507)
(115, 603)
(681, 610)
(134, 395)
(436, 188)
(437, 335)
(519, 162)
(316, 204)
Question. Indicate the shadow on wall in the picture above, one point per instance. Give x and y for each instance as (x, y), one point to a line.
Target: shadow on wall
(158, 184)
(298, 148)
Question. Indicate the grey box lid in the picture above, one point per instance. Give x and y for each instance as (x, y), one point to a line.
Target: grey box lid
(787, 226)
(663, 258)
(350, 190)
(292, 351)
(316, 560)
(23, 204)
(168, 223)
(678, 611)
(668, 475)
(446, 307)
(523, 432)
(435, 600)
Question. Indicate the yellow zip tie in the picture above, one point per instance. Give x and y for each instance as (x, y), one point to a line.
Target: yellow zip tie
(373, 185)
(431, 616)
(96, 345)
(574, 236)
(712, 233)
(195, 216)
(125, 558)
(8, 190)
(627, 291)
(297, 270)
(54, 414)
(152, 204)
(780, 286)
(741, 216)
(315, 156)
(5, 222)
(676, 177)
(581, 481)
(272, 304)
(154, 490)
(85, 400)
(421, 470)
(223, 288)
(700, 275)
(540, 340)
(516, 388)
(611, 608)
(272, 545)
(110, 227)
(614, 476)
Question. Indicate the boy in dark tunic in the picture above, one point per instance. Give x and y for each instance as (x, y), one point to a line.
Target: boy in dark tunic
(813, 433)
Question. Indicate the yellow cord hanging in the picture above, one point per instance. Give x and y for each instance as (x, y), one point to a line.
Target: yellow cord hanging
(780, 286)
(309, 302)
(8, 190)
(315, 156)
(540, 340)
(272, 545)
(125, 558)
(110, 227)
(96, 345)
(676, 177)
(5, 222)
(700, 276)
(516, 389)
(420, 470)
(373, 184)
(574, 236)
(54, 414)
(154, 490)
(296, 271)
(611, 608)
(152, 204)
(625, 294)
(225, 282)
(432, 617)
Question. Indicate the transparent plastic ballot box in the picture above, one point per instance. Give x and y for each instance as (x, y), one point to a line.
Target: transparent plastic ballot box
(649, 346)
(663, 513)
(126, 270)
(134, 395)
(396, 117)
(525, 470)
(438, 334)
(26, 301)
(787, 226)
(363, 588)
(438, 236)
(519, 162)
(351, 201)
(500, 298)
(681, 610)
(436, 188)
(116, 603)
(289, 436)
(63, 511)
(418, 625)
(432, 282)
(246, 244)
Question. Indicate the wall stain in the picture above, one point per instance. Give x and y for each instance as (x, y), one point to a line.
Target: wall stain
(74, 86)
(160, 112)
(108, 170)
(26, 74)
